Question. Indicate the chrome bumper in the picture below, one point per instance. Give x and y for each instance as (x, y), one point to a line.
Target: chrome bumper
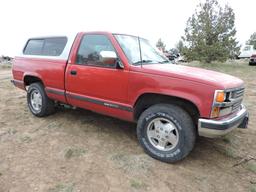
(216, 128)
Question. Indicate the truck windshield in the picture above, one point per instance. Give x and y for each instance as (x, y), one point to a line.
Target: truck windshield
(134, 46)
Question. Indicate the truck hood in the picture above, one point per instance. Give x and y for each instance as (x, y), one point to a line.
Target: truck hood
(213, 78)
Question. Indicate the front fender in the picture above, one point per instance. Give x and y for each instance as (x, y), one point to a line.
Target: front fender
(203, 100)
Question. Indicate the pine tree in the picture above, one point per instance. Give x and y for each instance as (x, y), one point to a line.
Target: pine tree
(180, 46)
(210, 33)
(252, 40)
(160, 45)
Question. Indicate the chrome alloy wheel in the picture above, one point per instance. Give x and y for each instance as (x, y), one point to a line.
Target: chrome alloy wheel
(163, 134)
(36, 100)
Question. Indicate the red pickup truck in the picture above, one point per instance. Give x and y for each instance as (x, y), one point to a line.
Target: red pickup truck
(123, 76)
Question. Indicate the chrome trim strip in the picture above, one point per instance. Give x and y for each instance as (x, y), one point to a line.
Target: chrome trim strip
(17, 82)
(54, 91)
(14, 81)
(99, 102)
(234, 89)
(228, 104)
(213, 133)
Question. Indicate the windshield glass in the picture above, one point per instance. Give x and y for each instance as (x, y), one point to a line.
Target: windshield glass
(131, 48)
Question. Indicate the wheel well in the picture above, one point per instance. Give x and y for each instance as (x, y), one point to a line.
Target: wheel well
(149, 99)
(31, 79)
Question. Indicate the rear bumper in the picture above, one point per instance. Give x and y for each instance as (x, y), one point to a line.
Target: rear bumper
(216, 128)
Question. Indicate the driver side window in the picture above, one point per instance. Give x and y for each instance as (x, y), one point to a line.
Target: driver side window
(90, 48)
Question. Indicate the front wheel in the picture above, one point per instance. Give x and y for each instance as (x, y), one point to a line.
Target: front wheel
(166, 132)
(38, 102)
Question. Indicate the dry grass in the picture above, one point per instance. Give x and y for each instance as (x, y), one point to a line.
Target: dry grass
(5, 65)
(74, 152)
(253, 188)
(62, 188)
(77, 150)
(251, 167)
(137, 184)
(133, 164)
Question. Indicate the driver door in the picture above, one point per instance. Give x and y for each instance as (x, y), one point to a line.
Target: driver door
(92, 83)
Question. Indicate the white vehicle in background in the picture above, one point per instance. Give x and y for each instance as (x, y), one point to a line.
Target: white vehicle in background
(247, 52)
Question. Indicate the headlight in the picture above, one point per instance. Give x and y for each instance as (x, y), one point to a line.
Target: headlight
(220, 101)
(227, 101)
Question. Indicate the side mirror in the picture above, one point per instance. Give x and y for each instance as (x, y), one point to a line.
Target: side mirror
(108, 57)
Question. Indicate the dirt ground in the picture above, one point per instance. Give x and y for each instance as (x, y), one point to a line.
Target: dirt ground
(78, 150)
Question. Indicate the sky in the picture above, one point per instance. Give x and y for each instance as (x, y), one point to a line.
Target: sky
(152, 19)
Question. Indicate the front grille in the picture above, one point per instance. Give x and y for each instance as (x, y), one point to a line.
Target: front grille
(236, 106)
(237, 97)
(236, 94)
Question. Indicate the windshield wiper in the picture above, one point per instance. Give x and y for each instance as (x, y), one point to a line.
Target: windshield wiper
(165, 61)
(142, 61)
(150, 61)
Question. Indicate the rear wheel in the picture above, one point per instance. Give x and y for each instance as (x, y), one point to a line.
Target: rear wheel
(166, 132)
(38, 102)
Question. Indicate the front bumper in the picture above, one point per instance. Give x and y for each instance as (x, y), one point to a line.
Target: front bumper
(216, 128)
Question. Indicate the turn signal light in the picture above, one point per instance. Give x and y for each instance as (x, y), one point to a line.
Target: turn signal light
(215, 112)
(220, 97)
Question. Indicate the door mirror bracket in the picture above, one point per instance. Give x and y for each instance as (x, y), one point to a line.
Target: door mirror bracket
(119, 64)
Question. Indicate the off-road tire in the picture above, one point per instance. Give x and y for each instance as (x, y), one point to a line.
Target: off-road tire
(47, 107)
(178, 117)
